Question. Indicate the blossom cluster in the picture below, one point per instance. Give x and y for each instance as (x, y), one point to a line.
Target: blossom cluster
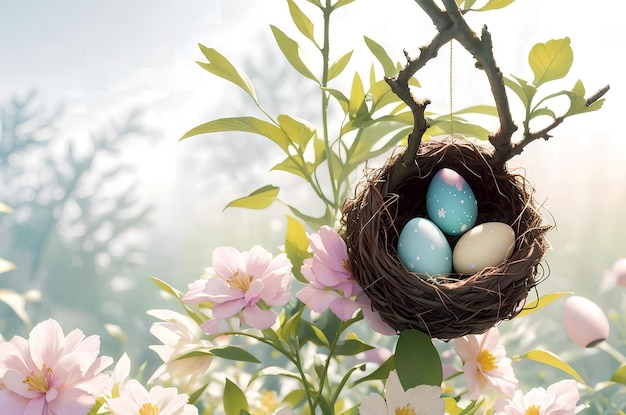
(53, 374)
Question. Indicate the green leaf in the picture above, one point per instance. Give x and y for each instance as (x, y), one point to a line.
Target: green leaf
(381, 55)
(350, 347)
(381, 373)
(242, 124)
(551, 60)
(295, 165)
(289, 329)
(494, 4)
(381, 95)
(578, 102)
(417, 360)
(299, 131)
(234, 353)
(273, 371)
(96, 406)
(373, 135)
(352, 411)
(312, 221)
(441, 126)
(196, 395)
(467, 4)
(220, 66)
(550, 359)
(165, 287)
(292, 52)
(310, 332)
(16, 302)
(295, 398)
(4, 208)
(620, 375)
(341, 3)
(541, 302)
(357, 107)
(479, 109)
(6, 266)
(523, 89)
(303, 23)
(338, 66)
(259, 199)
(341, 99)
(543, 111)
(296, 246)
(234, 399)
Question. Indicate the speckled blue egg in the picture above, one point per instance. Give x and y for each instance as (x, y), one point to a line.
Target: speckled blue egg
(424, 249)
(450, 203)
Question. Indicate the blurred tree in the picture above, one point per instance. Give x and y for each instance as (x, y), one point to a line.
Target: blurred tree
(78, 232)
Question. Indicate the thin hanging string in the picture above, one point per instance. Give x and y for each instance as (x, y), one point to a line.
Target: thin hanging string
(450, 86)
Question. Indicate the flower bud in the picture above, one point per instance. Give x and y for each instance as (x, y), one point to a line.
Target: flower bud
(618, 270)
(585, 322)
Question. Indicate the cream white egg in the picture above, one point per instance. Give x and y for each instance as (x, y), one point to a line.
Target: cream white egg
(485, 245)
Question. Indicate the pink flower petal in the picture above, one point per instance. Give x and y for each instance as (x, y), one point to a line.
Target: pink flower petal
(316, 299)
(343, 308)
(228, 308)
(196, 293)
(259, 319)
(227, 261)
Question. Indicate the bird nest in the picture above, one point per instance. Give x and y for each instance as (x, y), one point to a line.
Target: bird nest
(457, 304)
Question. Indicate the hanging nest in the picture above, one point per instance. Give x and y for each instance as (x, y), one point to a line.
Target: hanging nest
(457, 305)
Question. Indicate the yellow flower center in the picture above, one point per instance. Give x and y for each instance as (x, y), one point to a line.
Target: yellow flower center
(240, 281)
(39, 379)
(533, 410)
(486, 360)
(148, 409)
(407, 410)
(346, 266)
(267, 404)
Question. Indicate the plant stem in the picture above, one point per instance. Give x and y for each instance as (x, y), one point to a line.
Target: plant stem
(325, 101)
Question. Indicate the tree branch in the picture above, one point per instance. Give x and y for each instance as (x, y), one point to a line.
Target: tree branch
(544, 133)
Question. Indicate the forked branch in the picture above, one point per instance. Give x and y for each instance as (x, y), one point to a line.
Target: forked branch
(450, 25)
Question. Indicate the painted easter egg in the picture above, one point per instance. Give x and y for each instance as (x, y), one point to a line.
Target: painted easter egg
(485, 245)
(450, 202)
(424, 249)
(585, 322)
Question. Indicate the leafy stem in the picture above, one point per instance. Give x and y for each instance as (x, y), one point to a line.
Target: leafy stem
(325, 50)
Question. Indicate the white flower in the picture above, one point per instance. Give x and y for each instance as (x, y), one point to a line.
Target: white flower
(559, 399)
(420, 400)
(180, 335)
(135, 399)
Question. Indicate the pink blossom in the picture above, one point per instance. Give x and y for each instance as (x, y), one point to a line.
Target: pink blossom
(135, 399)
(485, 363)
(50, 374)
(331, 284)
(559, 399)
(247, 285)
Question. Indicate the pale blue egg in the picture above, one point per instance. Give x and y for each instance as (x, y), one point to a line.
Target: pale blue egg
(423, 249)
(450, 203)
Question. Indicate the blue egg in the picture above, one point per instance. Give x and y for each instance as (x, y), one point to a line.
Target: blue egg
(423, 249)
(450, 203)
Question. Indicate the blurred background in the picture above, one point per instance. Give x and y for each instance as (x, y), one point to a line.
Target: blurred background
(94, 97)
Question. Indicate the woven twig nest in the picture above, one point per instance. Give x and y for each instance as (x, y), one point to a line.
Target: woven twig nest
(459, 304)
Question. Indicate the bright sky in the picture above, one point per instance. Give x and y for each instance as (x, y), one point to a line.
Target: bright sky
(100, 59)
